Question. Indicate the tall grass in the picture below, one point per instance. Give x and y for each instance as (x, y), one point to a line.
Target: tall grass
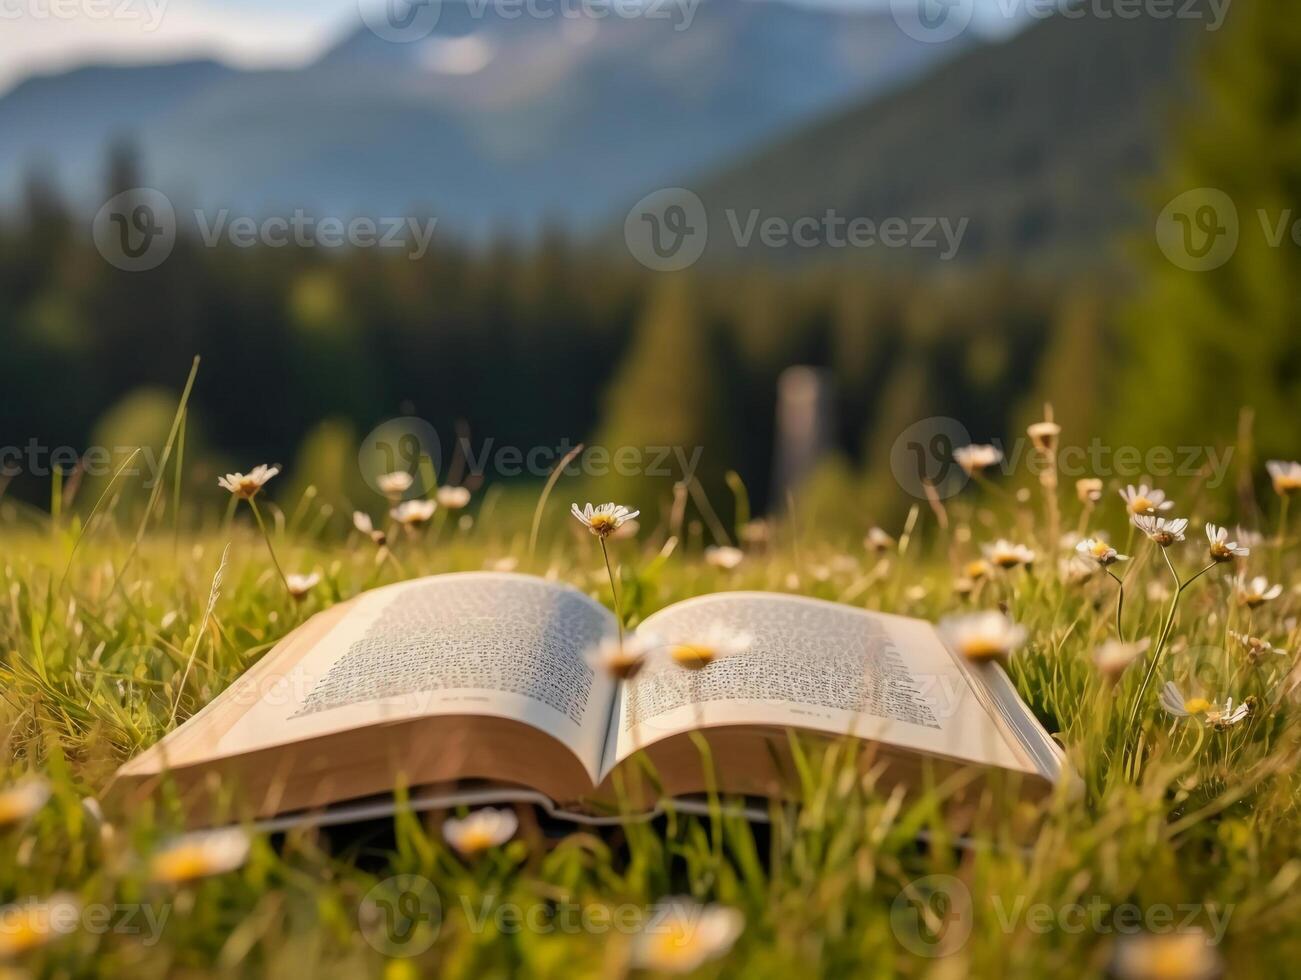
(110, 636)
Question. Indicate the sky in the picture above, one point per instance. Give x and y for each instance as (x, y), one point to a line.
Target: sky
(43, 36)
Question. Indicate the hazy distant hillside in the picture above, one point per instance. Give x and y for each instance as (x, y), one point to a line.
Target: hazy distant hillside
(488, 122)
(1042, 142)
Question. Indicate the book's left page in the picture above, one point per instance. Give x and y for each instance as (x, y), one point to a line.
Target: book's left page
(475, 645)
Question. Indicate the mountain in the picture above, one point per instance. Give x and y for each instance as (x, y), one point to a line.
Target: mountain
(1042, 143)
(490, 121)
(65, 121)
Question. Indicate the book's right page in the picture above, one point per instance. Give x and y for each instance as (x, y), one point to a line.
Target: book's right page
(815, 665)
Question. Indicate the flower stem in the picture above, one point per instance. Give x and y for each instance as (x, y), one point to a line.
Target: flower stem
(1164, 635)
(1120, 604)
(614, 590)
(257, 514)
(1282, 534)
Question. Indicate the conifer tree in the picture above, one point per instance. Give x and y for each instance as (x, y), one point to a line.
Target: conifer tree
(1202, 344)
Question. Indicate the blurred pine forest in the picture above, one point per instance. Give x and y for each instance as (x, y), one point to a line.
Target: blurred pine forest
(305, 350)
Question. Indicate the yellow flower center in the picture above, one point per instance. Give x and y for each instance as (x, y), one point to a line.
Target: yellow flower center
(13, 807)
(21, 933)
(476, 840)
(601, 524)
(672, 949)
(1100, 549)
(982, 648)
(693, 655)
(1141, 505)
(1170, 960)
(977, 569)
(182, 864)
(1197, 706)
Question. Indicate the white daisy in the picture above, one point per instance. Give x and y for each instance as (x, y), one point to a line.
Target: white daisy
(1257, 648)
(1088, 490)
(877, 540)
(1099, 551)
(453, 498)
(29, 925)
(605, 519)
(413, 513)
(756, 531)
(1228, 716)
(300, 585)
(983, 635)
(481, 831)
(1113, 658)
(1257, 591)
(713, 643)
(1164, 532)
(1005, 554)
(1222, 549)
(684, 935)
(394, 485)
(1173, 700)
(1286, 476)
(1208, 712)
(1145, 499)
(245, 486)
(1075, 569)
(200, 855)
(1044, 435)
(977, 458)
(362, 522)
(723, 556)
(23, 799)
(621, 660)
(1181, 955)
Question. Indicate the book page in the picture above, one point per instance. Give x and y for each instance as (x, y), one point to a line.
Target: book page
(475, 643)
(810, 664)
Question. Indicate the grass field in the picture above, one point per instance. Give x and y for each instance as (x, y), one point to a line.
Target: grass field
(112, 633)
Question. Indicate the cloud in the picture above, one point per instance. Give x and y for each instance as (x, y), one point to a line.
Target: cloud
(43, 36)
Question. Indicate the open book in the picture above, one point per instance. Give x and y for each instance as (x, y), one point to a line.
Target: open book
(474, 686)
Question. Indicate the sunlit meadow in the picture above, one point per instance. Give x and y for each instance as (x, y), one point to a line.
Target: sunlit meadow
(1161, 655)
